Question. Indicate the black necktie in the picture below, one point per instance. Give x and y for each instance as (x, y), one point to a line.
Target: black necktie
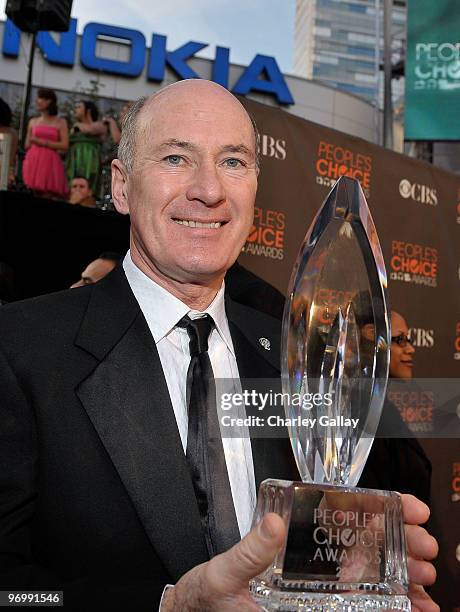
(205, 453)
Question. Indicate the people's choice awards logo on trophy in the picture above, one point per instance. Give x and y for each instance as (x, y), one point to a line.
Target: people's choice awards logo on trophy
(345, 547)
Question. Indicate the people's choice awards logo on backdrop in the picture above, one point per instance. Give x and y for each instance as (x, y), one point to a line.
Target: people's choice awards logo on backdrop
(415, 407)
(266, 237)
(334, 161)
(456, 481)
(422, 338)
(457, 342)
(418, 192)
(414, 263)
(271, 147)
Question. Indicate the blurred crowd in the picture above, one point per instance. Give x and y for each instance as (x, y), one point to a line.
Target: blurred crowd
(62, 161)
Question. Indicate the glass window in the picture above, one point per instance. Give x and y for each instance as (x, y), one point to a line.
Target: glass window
(361, 50)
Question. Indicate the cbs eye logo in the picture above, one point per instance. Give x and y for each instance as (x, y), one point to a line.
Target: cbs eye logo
(405, 188)
(417, 192)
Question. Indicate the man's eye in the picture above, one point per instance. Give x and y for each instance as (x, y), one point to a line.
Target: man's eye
(174, 160)
(232, 162)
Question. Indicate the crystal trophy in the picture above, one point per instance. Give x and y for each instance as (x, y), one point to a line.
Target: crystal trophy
(345, 548)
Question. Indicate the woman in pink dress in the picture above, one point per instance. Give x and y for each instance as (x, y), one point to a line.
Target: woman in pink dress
(47, 135)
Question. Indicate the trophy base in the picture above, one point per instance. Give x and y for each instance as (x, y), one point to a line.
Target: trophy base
(345, 549)
(270, 599)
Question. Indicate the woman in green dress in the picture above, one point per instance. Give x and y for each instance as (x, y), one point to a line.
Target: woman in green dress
(84, 156)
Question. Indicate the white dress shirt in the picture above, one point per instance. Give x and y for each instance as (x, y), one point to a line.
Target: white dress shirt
(162, 312)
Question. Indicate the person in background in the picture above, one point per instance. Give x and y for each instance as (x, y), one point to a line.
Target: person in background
(402, 348)
(84, 157)
(97, 269)
(5, 128)
(397, 462)
(445, 418)
(47, 136)
(408, 468)
(81, 193)
(113, 126)
(108, 153)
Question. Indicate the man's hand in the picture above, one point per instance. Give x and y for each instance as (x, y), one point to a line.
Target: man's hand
(421, 548)
(222, 583)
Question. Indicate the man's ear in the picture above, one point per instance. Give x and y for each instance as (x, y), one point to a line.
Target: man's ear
(120, 187)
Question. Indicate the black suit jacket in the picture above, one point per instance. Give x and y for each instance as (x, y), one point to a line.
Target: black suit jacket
(95, 494)
(96, 498)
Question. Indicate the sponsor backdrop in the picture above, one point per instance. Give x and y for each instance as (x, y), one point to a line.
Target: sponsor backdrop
(432, 70)
(416, 210)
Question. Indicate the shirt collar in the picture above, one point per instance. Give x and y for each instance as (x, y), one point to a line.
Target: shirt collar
(162, 310)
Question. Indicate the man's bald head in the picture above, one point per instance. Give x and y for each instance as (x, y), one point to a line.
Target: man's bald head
(135, 124)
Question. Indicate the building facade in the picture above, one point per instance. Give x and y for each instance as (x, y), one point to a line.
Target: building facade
(340, 42)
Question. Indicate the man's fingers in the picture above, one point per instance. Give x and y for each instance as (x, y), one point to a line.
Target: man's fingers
(421, 572)
(420, 600)
(415, 512)
(258, 549)
(420, 543)
(251, 556)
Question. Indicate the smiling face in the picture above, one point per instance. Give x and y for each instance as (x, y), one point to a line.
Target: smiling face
(401, 357)
(192, 188)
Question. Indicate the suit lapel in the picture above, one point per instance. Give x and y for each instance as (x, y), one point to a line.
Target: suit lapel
(272, 457)
(127, 400)
(128, 403)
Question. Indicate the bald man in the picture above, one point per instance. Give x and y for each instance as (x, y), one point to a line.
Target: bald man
(104, 497)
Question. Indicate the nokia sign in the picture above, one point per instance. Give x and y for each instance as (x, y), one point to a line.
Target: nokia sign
(262, 75)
